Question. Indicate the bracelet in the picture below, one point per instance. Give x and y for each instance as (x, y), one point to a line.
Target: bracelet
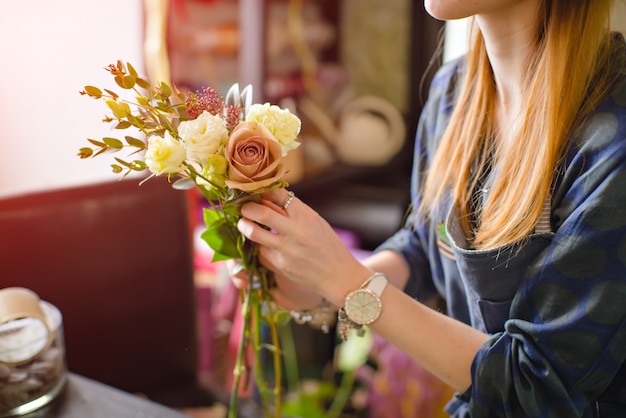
(345, 324)
(319, 317)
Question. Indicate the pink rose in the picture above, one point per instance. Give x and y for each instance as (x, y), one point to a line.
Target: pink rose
(254, 158)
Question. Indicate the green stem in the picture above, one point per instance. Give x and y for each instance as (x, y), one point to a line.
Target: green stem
(255, 298)
(263, 298)
(291, 361)
(342, 396)
(237, 372)
(258, 366)
(277, 360)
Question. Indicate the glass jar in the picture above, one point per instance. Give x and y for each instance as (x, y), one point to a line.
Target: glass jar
(32, 352)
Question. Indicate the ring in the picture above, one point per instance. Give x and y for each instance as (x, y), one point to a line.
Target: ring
(288, 200)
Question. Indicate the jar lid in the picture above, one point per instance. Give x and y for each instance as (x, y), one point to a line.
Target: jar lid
(24, 328)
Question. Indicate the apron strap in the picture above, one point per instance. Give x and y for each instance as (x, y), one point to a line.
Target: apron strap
(544, 226)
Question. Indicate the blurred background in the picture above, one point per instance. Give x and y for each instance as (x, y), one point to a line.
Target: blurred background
(355, 71)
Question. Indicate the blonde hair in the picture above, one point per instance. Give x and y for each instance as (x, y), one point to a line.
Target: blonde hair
(572, 53)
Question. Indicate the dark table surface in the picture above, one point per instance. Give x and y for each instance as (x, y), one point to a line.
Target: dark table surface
(85, 398)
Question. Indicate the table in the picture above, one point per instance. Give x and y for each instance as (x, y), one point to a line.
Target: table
(82, 397)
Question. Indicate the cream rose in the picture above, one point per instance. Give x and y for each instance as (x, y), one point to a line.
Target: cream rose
(214, 171)
(254, 157)
(203, 136)
(164, 154)
(284, 125)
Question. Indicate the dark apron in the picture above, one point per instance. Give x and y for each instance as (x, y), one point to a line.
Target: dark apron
(490, 279)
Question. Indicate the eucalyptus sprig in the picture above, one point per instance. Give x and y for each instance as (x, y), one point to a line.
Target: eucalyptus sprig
(156, 110)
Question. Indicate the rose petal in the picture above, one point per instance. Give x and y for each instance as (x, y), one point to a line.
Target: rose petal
(254, 156)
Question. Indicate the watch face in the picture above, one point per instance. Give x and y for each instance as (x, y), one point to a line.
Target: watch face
(362, 306)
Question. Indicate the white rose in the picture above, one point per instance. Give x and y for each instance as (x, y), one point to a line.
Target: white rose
(203, 136)
(284, 125)
(164, 154)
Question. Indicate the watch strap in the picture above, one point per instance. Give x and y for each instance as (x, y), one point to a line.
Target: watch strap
(376, 283)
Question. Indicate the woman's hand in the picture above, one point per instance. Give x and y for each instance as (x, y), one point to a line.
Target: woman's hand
(301, 247)
(287, 294)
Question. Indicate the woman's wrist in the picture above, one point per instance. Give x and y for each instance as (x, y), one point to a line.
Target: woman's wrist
(320, 317)
(351, 280)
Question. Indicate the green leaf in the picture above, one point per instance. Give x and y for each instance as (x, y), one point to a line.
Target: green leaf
(234, 205)
(184, 184)
(85, 152)
(211, 216)
(143, 100)
(119, 81)
(101, 151)
(113, 142)
(163, 121)
(210, 193)
(97, 143)
(137, 122)
(143, 83)
(131, 69)
(165, 89)
(146, 115)
(219, 257)
(120, 109)
(112, 93)
(310, 403)
(124, 163)
(134, 142)
(128, 82)
(233, 209)
(123, 125)
(162, 106)
(138, 165)
(94, 92)
(221, 236)
(182, 112)
(441, 232)
(282, 317)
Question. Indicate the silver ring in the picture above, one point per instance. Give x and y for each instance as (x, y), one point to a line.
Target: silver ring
(288, 200)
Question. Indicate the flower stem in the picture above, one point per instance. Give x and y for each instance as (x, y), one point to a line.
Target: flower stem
(291, 362)
(243, 339)
(342, 396)
(258, 366)
(277, 359)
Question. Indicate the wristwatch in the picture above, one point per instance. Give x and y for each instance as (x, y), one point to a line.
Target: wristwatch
(363, 306)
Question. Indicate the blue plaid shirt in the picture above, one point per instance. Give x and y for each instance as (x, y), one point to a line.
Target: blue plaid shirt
(556, 313)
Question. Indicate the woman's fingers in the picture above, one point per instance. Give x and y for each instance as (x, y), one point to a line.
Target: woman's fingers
(251, 228)
(301, 244)
(293, 295)
(270, 213)
(238, 276)
(239, 283)
(279, 199)
(287, 300)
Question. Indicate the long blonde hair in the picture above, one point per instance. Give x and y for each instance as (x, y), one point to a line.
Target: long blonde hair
(572, 53)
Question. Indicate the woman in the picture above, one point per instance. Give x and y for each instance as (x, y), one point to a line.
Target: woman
(524, 235)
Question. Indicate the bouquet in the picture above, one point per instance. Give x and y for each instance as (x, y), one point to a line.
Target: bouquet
(230, 150)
